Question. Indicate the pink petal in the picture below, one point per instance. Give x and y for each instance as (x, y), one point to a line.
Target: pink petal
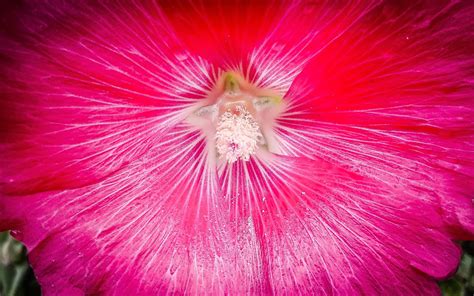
(84, 101)
(370, 104)
(304, 31)
(324, 229)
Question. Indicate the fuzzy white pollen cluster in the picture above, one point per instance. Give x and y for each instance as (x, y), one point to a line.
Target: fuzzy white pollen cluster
(237, 136)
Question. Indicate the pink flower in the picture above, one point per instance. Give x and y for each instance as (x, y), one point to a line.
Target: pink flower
(278, 148)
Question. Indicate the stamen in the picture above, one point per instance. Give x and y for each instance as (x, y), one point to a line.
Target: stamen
(238, 135)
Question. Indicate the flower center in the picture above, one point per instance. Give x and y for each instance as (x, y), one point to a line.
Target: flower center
(238, 118)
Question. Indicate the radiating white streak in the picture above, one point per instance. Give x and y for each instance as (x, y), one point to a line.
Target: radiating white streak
(156, 122)
(107, 136)
(163, 233)
(368, 223)
(134, 191)
(172, 156)
(311, 124)
(353, 151)
(100, 82)
(198, 65)
(274, 70)
(265, 186)
(278, 74)
(389, 134)
(121, 187)
(190, 179)
(184, 84)
(279, 175)
(309, 191)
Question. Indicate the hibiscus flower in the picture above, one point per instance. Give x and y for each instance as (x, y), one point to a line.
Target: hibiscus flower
(321, 148)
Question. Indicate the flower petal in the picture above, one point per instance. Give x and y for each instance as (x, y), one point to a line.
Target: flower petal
(392, 101)
(268, 41)
(324, 229)
(157, 226)
(306, 29)
(84, 101)
(224, 32)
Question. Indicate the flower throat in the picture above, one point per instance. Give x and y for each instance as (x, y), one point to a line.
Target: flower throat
(240, 117)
